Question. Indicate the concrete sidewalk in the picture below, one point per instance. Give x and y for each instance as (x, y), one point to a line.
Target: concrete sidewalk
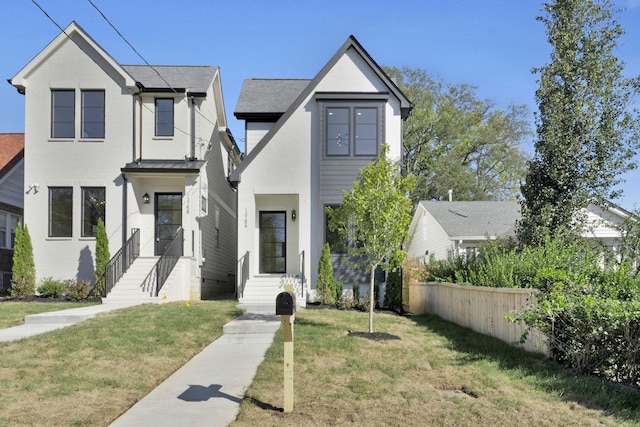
(207, 390)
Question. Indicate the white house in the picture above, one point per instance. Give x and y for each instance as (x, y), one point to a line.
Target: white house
(11, 199)
(306, 142)
(443, 230)
(146, 148)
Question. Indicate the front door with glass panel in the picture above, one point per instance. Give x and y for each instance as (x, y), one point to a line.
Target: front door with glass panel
(273, 247)
(168, 219)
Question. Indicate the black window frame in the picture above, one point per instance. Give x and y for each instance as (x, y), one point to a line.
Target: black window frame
(95, 206)
(90, 115)
(166, 128)
(59, 115)
(351, 141)
(62, 221)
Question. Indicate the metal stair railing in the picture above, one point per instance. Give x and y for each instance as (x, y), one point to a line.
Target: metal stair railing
(163, 268)
(119, 263)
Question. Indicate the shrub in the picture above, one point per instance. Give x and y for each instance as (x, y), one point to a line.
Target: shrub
(326, 287)
(102, 250)
(23, 282)
(51, 288)
(78, 289)
(345, 301)
(393, 291)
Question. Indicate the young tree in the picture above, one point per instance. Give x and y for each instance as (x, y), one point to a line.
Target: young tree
(23, 282)
(454, 140)
(375, 215)
(102, 250)
(586, 131)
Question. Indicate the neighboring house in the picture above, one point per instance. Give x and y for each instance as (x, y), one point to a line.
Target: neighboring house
(306, 142)
(11, 199)
(144, 147)
(444, 230)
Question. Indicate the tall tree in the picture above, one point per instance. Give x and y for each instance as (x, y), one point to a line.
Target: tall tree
(102, 252)
(375, 216)
(587, 132)
(453, 140)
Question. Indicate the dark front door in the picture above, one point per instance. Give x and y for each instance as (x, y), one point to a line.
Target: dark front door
(168, 219)
(273, 237)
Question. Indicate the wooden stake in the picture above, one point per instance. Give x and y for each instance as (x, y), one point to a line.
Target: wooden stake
(287, 328)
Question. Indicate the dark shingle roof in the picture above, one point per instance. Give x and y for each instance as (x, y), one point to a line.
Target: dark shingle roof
(191, 78)
(11, 151)
(268, 96)
(475, 219)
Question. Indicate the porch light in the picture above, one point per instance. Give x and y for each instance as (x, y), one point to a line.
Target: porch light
(293, 215)
(145, 198)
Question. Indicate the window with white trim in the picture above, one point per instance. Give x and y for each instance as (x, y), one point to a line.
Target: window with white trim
(164, 116)
(92, 113)
(60, 211)
(63, 111)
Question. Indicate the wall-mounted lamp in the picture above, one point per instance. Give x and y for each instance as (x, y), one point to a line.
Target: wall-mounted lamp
(145, 198)
(293, 215)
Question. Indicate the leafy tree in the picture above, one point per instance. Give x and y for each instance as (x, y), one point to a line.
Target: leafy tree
(586, 131)
(375, 215)
(326, 286)
(453, 140)
(102, 250)
(23, 282)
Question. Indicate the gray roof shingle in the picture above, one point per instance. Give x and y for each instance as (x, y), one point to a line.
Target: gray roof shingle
(259, 96)
(475, 218)
(191, 78)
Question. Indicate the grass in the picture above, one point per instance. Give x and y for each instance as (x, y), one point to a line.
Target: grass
(13, 313)
(90, 373)
(424, 371)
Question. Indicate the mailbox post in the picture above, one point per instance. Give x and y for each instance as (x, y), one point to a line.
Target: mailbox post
(285, 308)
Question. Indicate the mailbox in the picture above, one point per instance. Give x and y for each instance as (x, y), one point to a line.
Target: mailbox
(285, 304)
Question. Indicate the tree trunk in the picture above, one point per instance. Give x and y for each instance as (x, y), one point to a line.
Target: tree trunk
(372, 297)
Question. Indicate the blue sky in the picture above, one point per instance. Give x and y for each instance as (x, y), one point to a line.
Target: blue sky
(491, 44)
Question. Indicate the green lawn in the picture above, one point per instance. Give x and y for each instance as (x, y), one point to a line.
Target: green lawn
(13, 313)
(423, 371)
(90, 373)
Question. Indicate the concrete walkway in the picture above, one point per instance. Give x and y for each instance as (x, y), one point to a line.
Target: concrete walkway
(207, 390)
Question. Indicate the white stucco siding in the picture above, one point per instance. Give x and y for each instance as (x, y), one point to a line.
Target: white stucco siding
(73, 162)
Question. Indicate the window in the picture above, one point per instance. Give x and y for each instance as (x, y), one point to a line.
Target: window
(164, 116)
(93, 208)
(8, 225)
(203, 204)
(60, 211)
(63, 107)
(337, 243)
(348, 127)
(3, 230)
(93, 113)
(273, 248)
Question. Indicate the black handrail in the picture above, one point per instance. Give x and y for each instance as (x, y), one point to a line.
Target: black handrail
(244, 274)
(120, 262)
(161, 271)
(302, 275)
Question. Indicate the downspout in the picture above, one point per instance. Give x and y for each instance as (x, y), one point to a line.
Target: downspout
(125, 184)
(193, 127)
(140, 129)
(133, 128)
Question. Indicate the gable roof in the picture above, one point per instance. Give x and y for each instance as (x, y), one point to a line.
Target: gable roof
(263, 98)
(350, 43)
(192, 79)
(11, 151)
(474, 219)
(72, 31)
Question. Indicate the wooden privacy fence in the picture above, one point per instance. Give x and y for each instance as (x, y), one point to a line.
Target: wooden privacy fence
(479, 308)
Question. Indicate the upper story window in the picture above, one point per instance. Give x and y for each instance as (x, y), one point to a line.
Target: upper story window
(352, 130)
(63, 106)
(93, 208)
(164, 116)
(93, 113)
(60, 211)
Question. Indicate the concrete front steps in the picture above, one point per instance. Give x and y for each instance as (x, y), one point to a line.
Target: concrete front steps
(129, 287)
(260, 294)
